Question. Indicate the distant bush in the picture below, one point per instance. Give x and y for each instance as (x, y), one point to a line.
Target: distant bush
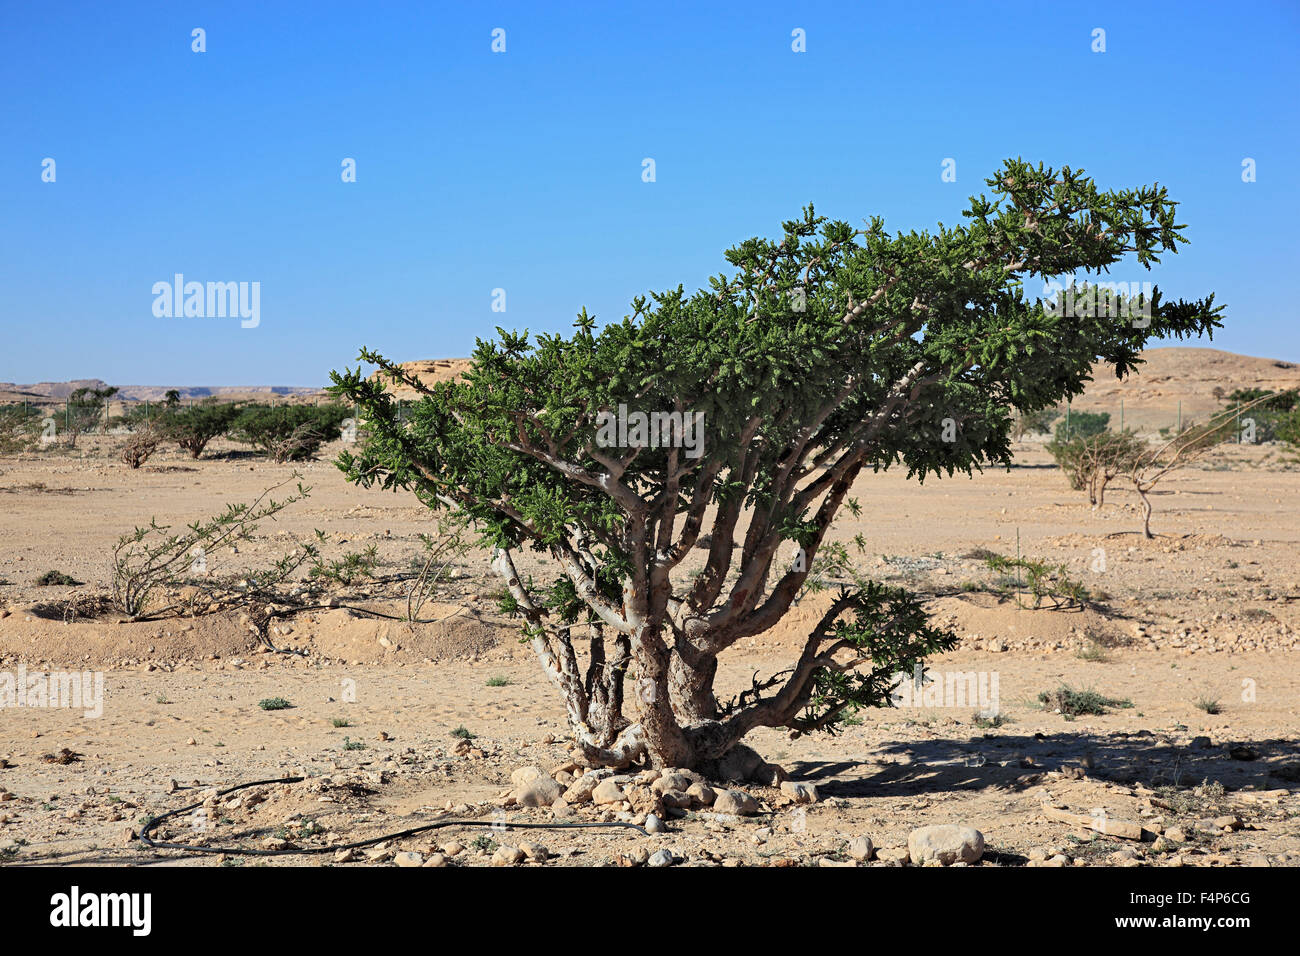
(1081, 425)
(1035, 423)
(1072, 702)
(1276, 415)
(1091, 462)
(20, 427)
(192, 428)
(289, 432)
(85, 411)
(56, 578)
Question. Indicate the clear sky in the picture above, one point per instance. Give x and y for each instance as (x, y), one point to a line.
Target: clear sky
(522, 170)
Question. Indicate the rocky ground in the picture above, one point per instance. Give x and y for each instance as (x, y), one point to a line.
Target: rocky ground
(1190, 641)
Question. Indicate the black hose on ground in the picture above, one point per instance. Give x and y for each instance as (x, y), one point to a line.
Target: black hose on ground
(239, 851)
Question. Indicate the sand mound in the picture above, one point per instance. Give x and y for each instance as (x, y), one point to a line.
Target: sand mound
(45, 631)
(455, 633)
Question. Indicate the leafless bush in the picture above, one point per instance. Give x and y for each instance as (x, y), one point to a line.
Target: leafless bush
(140, 446)
(304, 438)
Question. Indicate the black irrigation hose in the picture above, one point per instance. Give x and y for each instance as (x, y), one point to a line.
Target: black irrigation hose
(239, 851)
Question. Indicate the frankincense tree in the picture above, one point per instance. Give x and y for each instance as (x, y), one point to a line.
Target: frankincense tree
(817, 357)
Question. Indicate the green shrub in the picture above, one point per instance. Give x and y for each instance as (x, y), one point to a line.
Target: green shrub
(1080, 425)
(289, 432)
(192, 428)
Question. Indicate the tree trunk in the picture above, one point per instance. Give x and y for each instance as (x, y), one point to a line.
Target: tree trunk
(666, 744)
(690, 684)
(1146, 513)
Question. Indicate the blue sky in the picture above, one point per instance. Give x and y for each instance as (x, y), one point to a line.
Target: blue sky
(522, 170)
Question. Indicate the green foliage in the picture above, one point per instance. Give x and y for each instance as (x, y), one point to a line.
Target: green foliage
(1042, 580)
(463, 733)
(890, 634)
(1081, 425)
(827, 353)
(192, 428)
(1276, 414)
(1090, 462)
(56, 578)
(1036, 422)
(151, 560)
(351, 567)
(84, 411)
(289, 432)
(1072, 702)
(274, 703)
(20, 427)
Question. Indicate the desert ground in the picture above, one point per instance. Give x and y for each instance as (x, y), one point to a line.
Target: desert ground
(1194, 637)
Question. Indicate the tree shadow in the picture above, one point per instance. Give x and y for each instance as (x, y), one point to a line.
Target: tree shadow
(1015, 762)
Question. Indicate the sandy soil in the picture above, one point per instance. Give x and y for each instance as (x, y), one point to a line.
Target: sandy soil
(1208, 612)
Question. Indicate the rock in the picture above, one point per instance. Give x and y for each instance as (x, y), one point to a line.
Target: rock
(1228, 823)
(507, 856)
(581, 790)
(453, 848)
(769, 775)
(1100, 823)
(639, 856)
(661, 858)
(535, 852)
(861, 849)
(643, 800)
(538, 792)
(1176, 834)
(799, 792)
(605, 792)
(526, 775)
(676, 799)
(345, 856)
(653, 824)
(735, 802)
(702, 793)
(407, 858)
(437, 859)
(129, 836)
(672, 780)
(946, 843)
